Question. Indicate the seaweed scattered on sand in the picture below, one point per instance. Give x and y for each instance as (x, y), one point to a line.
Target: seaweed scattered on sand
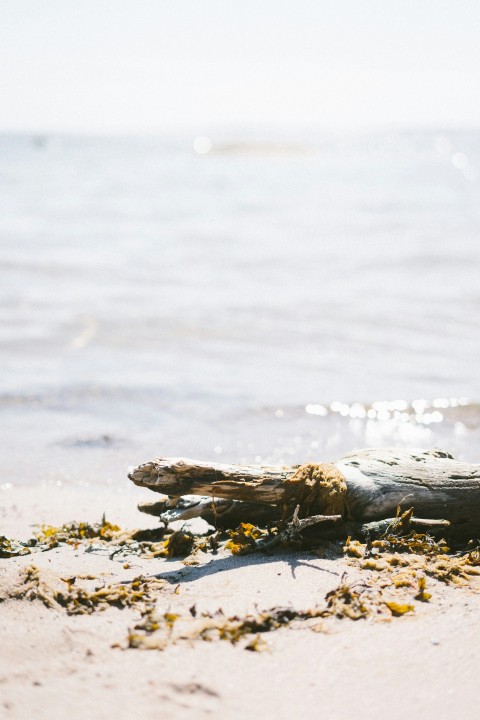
(359, 601)
(72, 533)
(156, 542)
(152, 543)
(95, 536)
(449, 569)
(68, 593)
(396, 557)
(158, 630)
(406, 555)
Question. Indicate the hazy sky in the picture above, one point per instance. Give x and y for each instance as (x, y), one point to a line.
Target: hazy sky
(146, 65)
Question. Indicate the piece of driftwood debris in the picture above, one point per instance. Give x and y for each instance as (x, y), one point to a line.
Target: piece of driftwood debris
(219, 512)
(363, 487)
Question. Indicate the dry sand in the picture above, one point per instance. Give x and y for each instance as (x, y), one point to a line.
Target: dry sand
(57, 666)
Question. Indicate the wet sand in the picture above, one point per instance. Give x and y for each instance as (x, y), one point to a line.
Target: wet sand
(53, 665)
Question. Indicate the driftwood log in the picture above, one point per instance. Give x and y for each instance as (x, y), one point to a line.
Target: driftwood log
(361, 489)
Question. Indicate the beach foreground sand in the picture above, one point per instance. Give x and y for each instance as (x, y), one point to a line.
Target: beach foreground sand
(54, 665)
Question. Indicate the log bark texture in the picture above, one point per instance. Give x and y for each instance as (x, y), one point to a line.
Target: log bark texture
(377, 482)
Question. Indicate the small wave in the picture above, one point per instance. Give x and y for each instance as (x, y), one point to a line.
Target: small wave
(99, 441)
(17, 399)
(252, 148)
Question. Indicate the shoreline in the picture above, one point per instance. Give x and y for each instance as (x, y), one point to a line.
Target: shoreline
(53, 664)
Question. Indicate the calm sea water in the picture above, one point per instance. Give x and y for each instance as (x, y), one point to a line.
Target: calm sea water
(278, 298)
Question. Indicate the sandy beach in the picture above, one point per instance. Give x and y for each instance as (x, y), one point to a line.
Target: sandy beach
(54, 665)
(249, 239)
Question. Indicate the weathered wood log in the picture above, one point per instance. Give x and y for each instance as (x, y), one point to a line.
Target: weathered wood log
(364, 486)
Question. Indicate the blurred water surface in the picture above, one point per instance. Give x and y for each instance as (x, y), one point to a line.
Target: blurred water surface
(252, 296)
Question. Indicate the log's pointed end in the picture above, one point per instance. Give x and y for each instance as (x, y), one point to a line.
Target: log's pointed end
(137, 477)
(149, 474)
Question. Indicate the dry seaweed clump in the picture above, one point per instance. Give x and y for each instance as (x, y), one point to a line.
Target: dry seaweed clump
(362, 601)
(179, 543)
(243, 539)
(72, 533)
(317, 489)
(347, 602)
(76, 599)
(175, 544)
(13, 548)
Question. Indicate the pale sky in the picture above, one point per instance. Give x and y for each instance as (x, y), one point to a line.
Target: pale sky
(150, 65)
